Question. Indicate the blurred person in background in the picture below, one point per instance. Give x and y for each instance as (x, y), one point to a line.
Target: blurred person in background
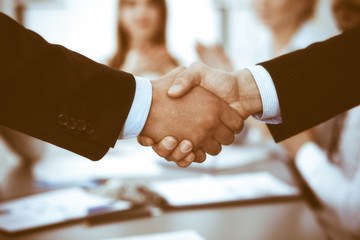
(141, 39)
(27, 149)
(328, 156)
(289, 22)
(290, 27)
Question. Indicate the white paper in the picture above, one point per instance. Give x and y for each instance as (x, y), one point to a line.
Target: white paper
(208, 189)
(48, 208)
(181, 235)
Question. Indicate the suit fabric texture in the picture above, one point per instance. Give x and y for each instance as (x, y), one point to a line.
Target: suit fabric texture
(316, 83)
(59, 96)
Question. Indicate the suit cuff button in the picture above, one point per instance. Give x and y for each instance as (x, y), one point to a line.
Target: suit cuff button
(81, 125)
(89, 129)
(63, 119)
(71, 124)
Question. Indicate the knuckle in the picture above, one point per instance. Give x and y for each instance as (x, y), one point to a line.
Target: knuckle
(199, 139)
(239, 124)
(170, 158)
(196, 64)
(161, 152)
(209, 122)
(183, 164)
(215, 150)
(201, 159)
(229, 139)
(177, 157)
(200, 156)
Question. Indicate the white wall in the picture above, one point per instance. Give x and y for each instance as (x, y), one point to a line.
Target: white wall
(85, 26)
(191, 21)
(6, 6)
(88, 26)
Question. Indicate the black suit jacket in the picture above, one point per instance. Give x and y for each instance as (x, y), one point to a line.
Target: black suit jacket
(316, 83)
(59, 96)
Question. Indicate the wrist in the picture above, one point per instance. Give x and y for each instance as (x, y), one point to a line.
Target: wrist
(249, 94)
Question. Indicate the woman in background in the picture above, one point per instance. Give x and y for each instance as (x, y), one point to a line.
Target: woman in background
(141, 39)
(328, 157)
(289, 22)
(289, 25)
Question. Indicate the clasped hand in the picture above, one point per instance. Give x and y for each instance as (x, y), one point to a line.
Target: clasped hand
(200, 108)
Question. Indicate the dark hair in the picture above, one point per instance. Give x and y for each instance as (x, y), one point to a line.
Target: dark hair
(123, 39)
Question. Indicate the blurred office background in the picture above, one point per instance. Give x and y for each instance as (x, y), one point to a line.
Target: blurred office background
(89, 27)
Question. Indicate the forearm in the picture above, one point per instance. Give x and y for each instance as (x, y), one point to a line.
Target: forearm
(316, 83)
(59, 96)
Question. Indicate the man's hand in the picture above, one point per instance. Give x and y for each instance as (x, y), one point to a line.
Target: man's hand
(238, 89)
(198, 116)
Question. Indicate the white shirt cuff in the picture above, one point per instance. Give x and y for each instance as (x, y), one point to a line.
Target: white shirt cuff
(271, 107)
(140, 108)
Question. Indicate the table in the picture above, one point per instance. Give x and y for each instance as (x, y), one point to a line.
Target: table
(279, 220)
(270, 221)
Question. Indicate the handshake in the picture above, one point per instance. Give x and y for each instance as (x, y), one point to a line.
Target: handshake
(195, 110)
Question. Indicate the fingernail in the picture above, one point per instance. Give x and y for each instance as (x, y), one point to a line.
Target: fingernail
(143, 142)
(189, 158)
(185, 147)
(174, 89)
(169, 143)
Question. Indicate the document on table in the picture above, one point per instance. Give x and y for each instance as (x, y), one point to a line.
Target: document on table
(50, 208)
(180, 235)
(221, 189)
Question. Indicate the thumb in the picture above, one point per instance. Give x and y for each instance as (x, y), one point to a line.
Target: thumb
(184, 82)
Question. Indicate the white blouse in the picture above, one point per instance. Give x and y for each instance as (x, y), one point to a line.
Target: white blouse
(336, 184)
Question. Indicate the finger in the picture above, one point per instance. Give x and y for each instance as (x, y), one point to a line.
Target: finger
(182, 150)
(200, 156)
(166, 146)
(224, 135)
(176, 71)
(145, 141)
(184, 82)
(213, 147)
(232, 120)
(187, 161)
(200, 49)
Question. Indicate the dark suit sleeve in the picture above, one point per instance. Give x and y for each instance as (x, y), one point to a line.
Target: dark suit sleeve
(59, 96)
(316, 83)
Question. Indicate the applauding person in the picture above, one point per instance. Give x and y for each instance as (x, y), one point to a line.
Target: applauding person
(141, 39)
